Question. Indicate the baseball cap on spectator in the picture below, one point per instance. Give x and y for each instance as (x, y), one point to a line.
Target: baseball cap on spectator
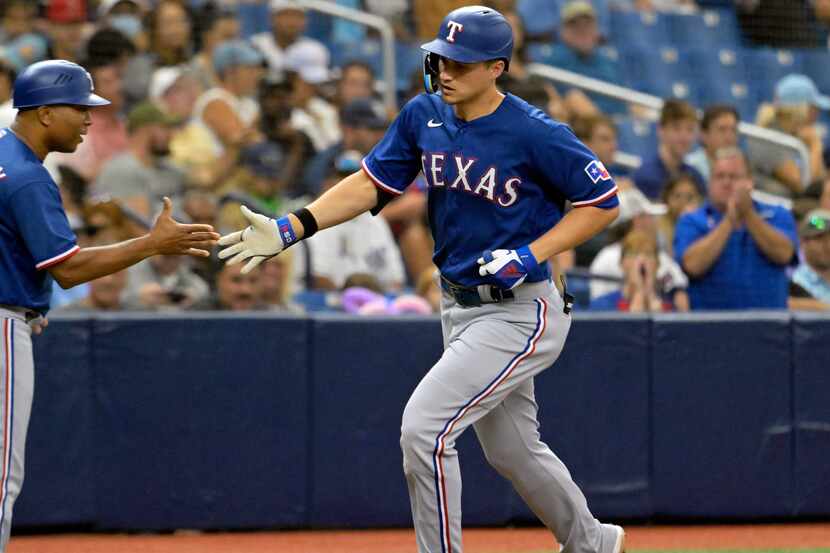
(66, 11)
(633, 203)
(263, 159)
(148, 113)
(310, 60)
(232, 53)
(163, 78)
(575, 10)
(815, 223)
(795, 89)
(282, 5)
(364, 113)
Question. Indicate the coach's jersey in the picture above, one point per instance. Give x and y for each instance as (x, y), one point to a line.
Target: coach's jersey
(34, 231)
(496, 182)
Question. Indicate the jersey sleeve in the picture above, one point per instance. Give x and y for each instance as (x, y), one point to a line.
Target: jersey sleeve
(573, 169)
(395, 161)
(39, 214)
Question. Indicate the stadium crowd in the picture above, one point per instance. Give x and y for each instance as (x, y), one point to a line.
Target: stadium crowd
(212, 118)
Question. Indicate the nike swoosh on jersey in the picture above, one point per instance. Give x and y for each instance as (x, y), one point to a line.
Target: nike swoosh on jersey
(433, 124)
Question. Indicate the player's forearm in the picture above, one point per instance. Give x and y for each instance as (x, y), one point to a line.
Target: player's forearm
(91, 263)
(344, 201)
(576, 227)
(770, 241)
(701, 255)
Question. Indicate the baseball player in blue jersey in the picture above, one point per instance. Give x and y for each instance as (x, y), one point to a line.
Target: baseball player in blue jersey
(36, 244)
(499, 173)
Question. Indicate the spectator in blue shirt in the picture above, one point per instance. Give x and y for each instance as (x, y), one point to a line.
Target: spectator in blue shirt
(676, 133)
(734, 249)
(579, 51)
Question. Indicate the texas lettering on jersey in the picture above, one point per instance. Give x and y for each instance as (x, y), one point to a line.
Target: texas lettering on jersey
(470, 176)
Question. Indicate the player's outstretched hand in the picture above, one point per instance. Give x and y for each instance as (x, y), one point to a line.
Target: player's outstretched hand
(509, 268)
(261, 240)
(168, 236)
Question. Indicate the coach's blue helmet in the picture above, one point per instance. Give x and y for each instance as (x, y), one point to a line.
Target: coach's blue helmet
(468, 35)
(53, 82)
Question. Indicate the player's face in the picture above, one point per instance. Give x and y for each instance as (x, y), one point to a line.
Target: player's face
(67, 126)
(679, 136)
(463, 82)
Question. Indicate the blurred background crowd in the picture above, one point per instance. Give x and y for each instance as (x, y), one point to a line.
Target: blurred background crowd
(216, 103)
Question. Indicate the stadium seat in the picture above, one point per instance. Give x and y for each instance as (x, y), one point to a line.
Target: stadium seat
(766, 66)
(710, 28)
(539, 52)
(409, 58)
(632, 29)
(816, 64)
(737, 93)
(253, 18)
(637, 137)
(664, 72)
(540, 18)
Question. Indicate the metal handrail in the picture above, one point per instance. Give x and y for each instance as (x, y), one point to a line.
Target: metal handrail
(387, 35)
(631, 96)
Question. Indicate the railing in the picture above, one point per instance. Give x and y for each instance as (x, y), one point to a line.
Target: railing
(387, 35)
(631, 96)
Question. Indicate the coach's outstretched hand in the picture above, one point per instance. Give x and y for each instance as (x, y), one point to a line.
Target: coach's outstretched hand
(261, 240)
(508, 268)
(171, 237)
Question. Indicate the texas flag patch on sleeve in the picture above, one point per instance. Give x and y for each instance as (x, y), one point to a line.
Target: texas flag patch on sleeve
(597, 171)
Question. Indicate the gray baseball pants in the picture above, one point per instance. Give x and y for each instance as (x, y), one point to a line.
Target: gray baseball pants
(485, 379)
(16, 390)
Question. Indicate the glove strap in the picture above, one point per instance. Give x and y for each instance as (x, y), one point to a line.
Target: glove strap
(527, 257)
(286, 231)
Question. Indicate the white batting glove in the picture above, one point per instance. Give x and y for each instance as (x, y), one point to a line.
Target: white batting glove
(509, 268)
(264, 238)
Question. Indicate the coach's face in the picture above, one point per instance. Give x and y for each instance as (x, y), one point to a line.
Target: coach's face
(66, 126)
(461, 82)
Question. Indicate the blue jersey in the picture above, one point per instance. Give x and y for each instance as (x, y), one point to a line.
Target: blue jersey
(34, 231)
(496, 182)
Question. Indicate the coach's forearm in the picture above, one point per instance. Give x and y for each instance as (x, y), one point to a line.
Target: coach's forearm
(91, 263)
(344, 201)
(576, 227)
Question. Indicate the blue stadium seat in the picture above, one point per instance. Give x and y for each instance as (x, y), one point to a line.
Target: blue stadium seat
(766, 66)
(540, 17)
(539, 52)
(737, 93)
(711, 28)
(664, 72)
(631, 29)
(816, 64)
(409, 58)
(368, 51)
(637, 137)
(253, 18)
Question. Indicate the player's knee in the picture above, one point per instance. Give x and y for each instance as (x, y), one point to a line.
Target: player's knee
(502, 459)
(414, 433)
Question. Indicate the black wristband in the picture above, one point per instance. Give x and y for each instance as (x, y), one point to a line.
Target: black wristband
(307, 220)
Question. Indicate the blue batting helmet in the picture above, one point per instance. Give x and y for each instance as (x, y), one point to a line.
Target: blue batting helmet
(54, 82)
(468, 35)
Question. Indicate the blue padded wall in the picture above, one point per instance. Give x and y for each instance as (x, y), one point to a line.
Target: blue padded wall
(721, 400)
(203, 424)
(59, 486)
(811, 360)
